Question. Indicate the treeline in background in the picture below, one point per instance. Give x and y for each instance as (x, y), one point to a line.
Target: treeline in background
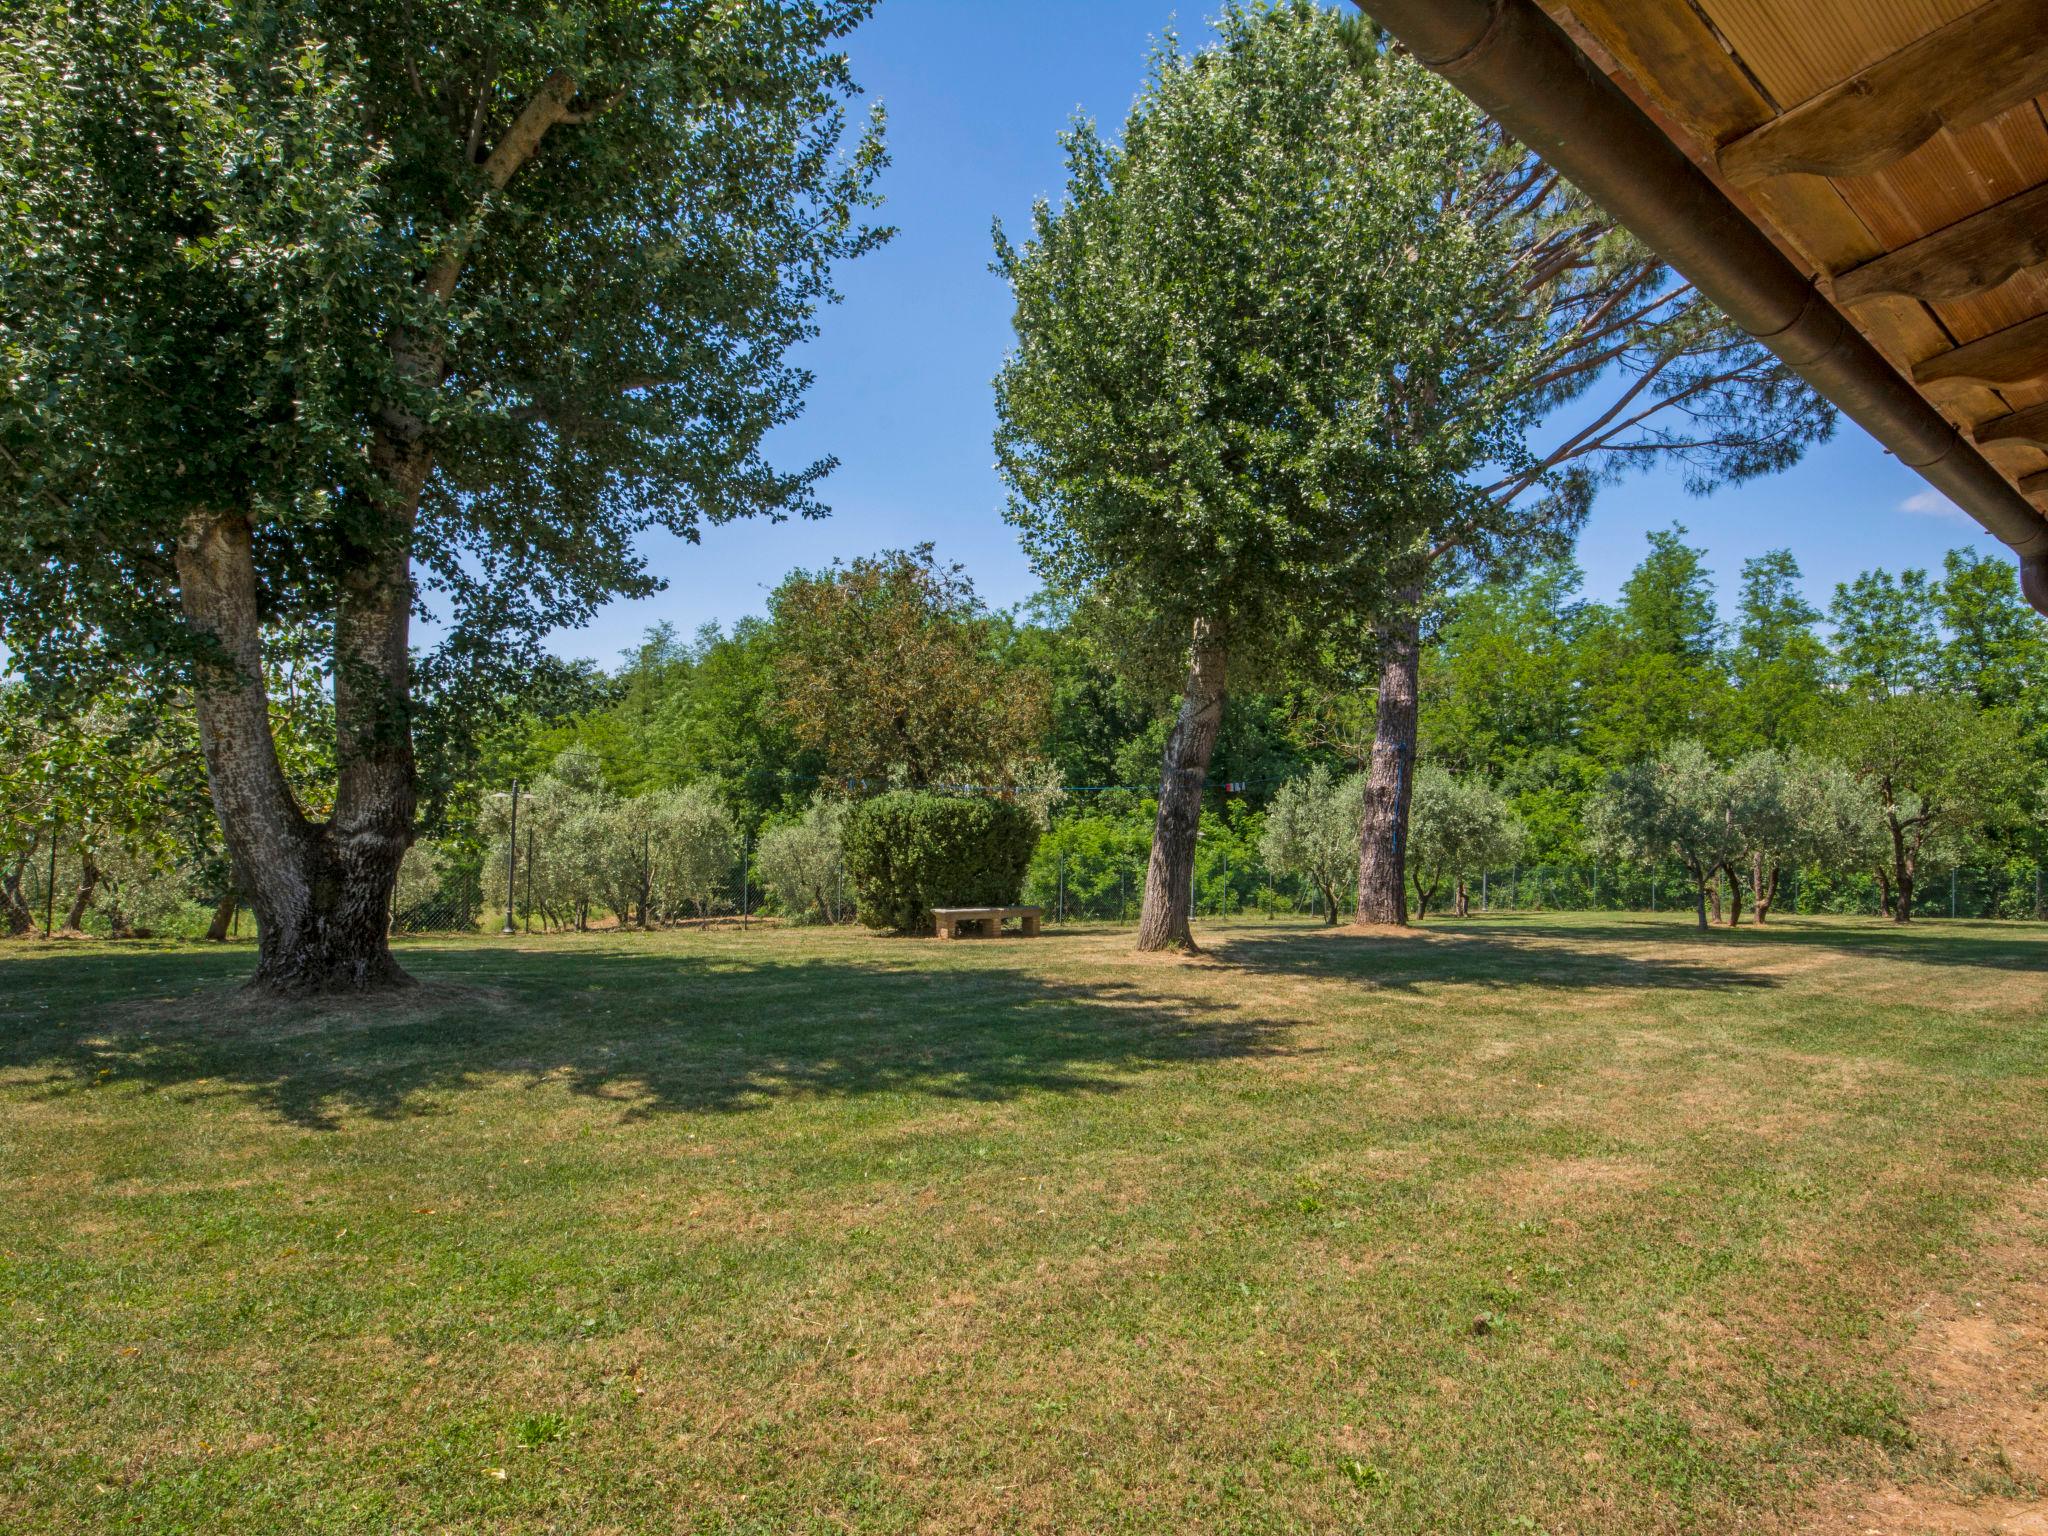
(1737, 753)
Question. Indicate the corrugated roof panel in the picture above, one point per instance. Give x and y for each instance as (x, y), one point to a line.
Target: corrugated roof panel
(1799, 50)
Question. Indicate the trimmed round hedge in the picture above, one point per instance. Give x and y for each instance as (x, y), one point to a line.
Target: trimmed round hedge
(910, 851)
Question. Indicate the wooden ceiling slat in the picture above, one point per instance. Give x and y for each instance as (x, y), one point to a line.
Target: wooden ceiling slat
(1714, 71)
(1799, 50)
(1963, 258)
(1969, 71)
(1677, 62)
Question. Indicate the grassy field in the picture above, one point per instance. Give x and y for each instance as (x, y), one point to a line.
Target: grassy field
(1566, 1224)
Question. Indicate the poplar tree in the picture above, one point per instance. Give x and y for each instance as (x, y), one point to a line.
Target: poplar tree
(349, 311)
(1248, 370)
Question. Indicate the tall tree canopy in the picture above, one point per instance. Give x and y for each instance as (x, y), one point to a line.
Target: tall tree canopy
(333, 312)
(1238, 337)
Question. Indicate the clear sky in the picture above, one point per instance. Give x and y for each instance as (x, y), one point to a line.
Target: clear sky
(977, 93)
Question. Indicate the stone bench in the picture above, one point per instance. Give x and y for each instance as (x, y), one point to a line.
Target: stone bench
(984, 922)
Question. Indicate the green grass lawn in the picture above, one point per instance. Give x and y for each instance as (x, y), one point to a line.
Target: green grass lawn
(1565, 1224)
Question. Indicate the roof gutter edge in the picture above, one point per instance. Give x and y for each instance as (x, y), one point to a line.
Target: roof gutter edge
(1521, 67)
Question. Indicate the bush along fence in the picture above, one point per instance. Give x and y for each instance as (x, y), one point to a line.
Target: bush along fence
(626, 868)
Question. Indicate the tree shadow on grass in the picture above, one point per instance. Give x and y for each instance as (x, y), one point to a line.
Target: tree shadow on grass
(654, 1031)
(1485, 955)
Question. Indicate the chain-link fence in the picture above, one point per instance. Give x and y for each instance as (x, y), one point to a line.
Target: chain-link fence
(1075, 887)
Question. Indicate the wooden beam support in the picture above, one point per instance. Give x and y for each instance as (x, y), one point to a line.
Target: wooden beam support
(1967, 72)
(2016, 355)
(1967, 257)
(2028, 426)
(2035, 488)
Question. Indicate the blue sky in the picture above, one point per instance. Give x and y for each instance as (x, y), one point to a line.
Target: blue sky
(977, 93)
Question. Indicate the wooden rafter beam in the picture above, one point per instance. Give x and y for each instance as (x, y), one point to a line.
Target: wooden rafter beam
(2028, 426)
(2016, 355)
(1969, 71)
(1967, 257)
(2035, 487)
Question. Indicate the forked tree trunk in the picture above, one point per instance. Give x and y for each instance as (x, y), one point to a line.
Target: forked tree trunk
(1699, 894)
(1170, 873)
(1884, 890)
(321, 892)
(1423, 896)
(223, 915)
(1464, 899)
(1390, 777)
(1734, 895)
(81, 898)
(1763, 885)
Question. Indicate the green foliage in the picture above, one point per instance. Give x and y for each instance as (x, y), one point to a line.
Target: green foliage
(909, 851)
(1886, 637)
(888, 667)
(1205, 416)
(1458, 826)
(1311, 830)
(802, 863)
(226, 252)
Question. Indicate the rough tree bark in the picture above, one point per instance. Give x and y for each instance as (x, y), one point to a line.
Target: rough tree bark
(81, 898)
(1763, 885)
(1390, 777)
(1884, 890)
(1904, 873)
(223, 915)
(320, 892)
(15, 917)
(1170, 874)
(1463, 899)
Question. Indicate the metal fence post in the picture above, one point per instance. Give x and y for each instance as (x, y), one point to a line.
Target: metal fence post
(512, 862)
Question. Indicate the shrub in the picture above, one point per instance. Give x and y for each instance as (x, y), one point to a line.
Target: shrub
(910, 851)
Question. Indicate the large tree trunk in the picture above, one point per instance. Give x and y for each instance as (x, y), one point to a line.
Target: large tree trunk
(1170, 874)
(1390, 778)
(321, 894)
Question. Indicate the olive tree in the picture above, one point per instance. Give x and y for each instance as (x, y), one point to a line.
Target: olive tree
(695, 844)
(1936, 770)
(343, 311)
(1311, 830)
(1677, 805)
(1225, 417)
(802, 864)
(1461, 823)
